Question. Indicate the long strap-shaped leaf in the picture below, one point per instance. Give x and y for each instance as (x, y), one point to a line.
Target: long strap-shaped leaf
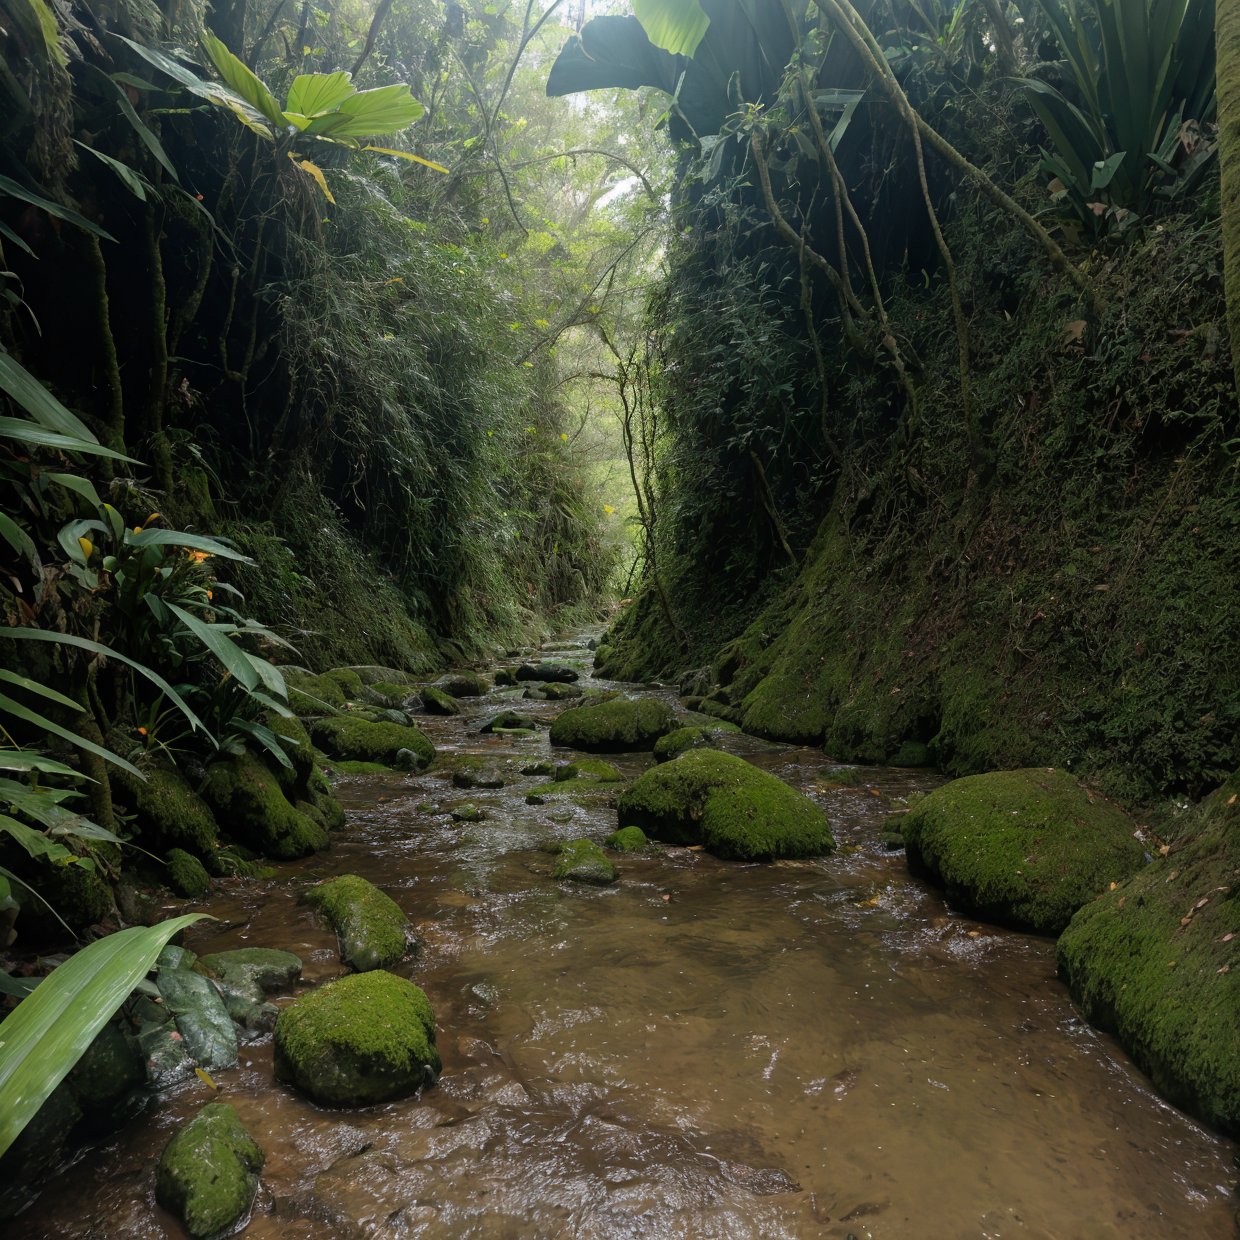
(49, 1032)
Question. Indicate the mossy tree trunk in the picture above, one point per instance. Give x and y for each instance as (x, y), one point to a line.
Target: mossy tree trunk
(1227, 42)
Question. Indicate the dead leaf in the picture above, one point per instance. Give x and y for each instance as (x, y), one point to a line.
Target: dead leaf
(1074, 332)
(1227, 938)
(1225, 969)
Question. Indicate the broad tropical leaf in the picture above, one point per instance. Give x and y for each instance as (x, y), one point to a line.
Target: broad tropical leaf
(49, 1031)
(677, 26)
(242, 80)
(314, 94)
(195, 542)
(386, 109)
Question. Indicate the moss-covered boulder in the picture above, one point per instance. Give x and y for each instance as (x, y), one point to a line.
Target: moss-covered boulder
(627, 839)
(556, 691)
(373, 931)
(249, 802)
(208, 1173)
(911, 754)
(312, 695)
(356, 740)
(1157, 963)
(366, 1038)
(462, 685)
(437, 702)
(1023, 848)
(549, 673)
(186, 875)
(727, 804)
(616, 726)
(583, 861)
(474, 771)
(297, 748)
(350, 683)
(588, 768)
(169, 813)
(694, 737)
(391, 695)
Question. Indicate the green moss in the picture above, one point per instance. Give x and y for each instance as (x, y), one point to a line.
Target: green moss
(911, 754)
(557, 691)
(473, 771)
(330, 811)
(169, 813)
(298, 750)
(675, 743)
(437, 702)
(387, 693)
(362, 768)
(186, 875)
(588, 768)
(616, 726)
(356, 740)
(247, 796)
(312, 695)
(462, 684)
(729, 805)
(366, 1038)
(628, 839)
(373, 931)
(208, 1173)
(583, 861)
(1024, 848)
(349, 682)
(1157, 963)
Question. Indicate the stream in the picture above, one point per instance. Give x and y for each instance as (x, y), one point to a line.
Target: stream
(705, 1049)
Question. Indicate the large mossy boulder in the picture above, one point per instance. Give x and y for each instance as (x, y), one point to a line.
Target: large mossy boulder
(463, 685)
(372, 929)
(437, 702)
(295, 741)
(169, 813)
(727, 804)
(366, 1038)
(1157, 963)
(250, 804)
(356, 740)
(186, 875)
(312, 695)
(208, 1172)
(617, 726)
(583, 861)
(1022, 848)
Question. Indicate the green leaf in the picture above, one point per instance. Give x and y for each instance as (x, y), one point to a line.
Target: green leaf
(314, 94)
(33, 686)
(28, 432)
(128, 177)
(416, 159)
(18, 711)
(677, 26)
(195, 542)
(48, 1032)
(37, 401)
(386, 109)
(219, 644)
(242, 80)
(84, 643)
(17, 538)
(28, 760)
(612, 51)
(149, 140)
(9, 235)
(33, 843)
(68, 214)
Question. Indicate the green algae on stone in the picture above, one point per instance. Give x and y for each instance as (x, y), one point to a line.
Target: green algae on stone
(208, 1173)
(1023, 848)
(437, 702)
(627, 839)
(359, 741)
(1156, 962)
(616, 726)
(248, 799)
(365, 1038)
(168, 811)
(467, 811)
(583, 861)
(372, 929)
(474, 771)
(462, 685)
(186, 875)
(727, 804)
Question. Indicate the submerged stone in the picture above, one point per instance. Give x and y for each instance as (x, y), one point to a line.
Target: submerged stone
(1157, 963)
(727, 804)
(583, 861)
(366, 1038)
(208, 1172)
(1024, 848)
(616, 726)
(372, 929)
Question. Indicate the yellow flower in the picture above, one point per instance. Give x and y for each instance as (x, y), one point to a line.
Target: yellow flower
(87, 546)
(137, 529)
(197, 557)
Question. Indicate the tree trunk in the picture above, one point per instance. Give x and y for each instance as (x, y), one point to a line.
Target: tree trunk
(1227, 40)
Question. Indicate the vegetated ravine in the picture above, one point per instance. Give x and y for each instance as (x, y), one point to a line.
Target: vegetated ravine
(702, 1049)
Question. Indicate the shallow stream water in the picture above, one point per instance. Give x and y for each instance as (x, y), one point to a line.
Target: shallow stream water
(705, 1049)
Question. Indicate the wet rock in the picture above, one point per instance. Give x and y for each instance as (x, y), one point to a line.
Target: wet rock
(408, 760)
(201, 1016)
(1157, 963)
(547, 672)
(583, 861)
(727, 804)
(244, 977)
(535, 694)
(892, 841)
(616, 726)
(588, 768)
(312, 695)
(372, 929)
(592, 644)
(462, 685)
(208, 1172)
(506, 721)
(366, 1038)
(697, 682)
(505, 676)
(186, 875)
(911, 754)
(675, 743)
(467, 811)
(357, 740)
(436, 702)
(555, 691)
(627, 839)
(246, 795)
(471, 771)
(542, 768)
(392, 695)
(1024, 848)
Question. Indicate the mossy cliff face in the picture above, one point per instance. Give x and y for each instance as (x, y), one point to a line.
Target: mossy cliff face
(366, 1038)
(1023, 848)
(618, 726)
(726, 803)
(1157, 963)
(373, 931)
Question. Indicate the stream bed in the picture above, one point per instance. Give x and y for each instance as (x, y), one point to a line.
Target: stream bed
(705, 1049)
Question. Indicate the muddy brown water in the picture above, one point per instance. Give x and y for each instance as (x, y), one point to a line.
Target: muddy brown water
(705, 1049)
